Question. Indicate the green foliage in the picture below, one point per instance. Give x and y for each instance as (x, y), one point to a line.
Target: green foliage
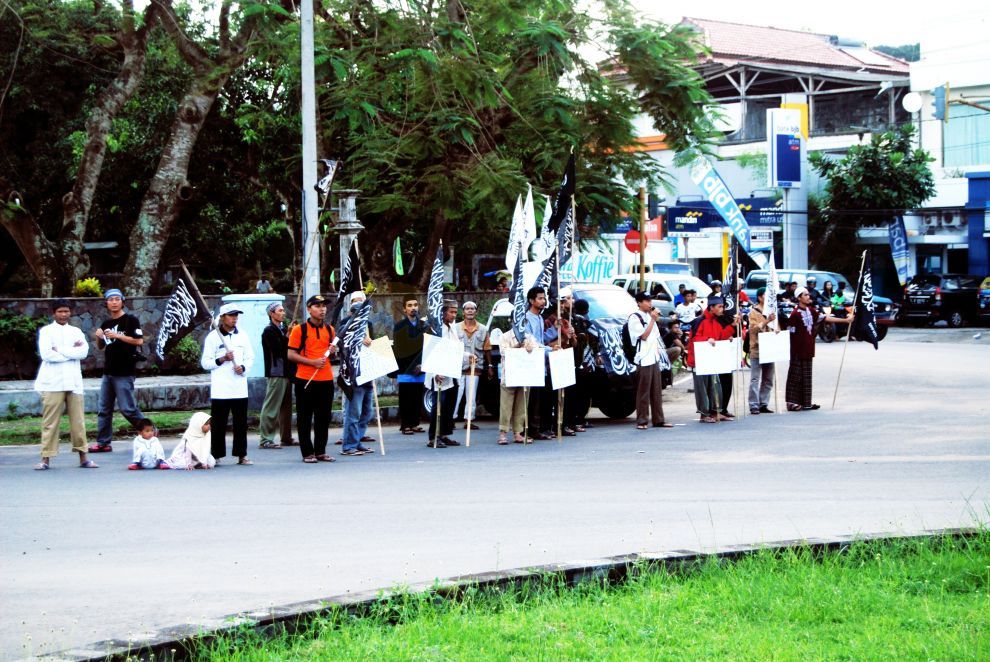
(88, 287)
(877, 179)
(19, 337)
(184, 357)
(906, 52)
(910, 599)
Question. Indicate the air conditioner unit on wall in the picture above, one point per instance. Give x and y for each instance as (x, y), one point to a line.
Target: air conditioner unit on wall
(952, 220)
(930, 221)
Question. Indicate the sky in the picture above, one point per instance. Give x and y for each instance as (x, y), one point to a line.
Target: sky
(875, 22)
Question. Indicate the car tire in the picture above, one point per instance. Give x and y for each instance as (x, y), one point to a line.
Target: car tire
(617, 407)
(955, 319)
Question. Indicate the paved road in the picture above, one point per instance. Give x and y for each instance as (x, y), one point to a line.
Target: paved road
(91, 555)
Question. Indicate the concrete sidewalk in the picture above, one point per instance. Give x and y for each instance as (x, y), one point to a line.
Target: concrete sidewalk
(110, 553)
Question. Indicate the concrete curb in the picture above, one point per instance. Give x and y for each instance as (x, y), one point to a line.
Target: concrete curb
(171, 643)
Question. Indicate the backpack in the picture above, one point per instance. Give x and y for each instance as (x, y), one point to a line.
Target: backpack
(628, 347)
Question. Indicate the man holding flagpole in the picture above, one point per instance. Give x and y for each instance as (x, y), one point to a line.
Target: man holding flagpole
(443, 388)
(802, 325)
(311, 344)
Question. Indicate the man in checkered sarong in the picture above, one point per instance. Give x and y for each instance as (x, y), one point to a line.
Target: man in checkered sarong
(803, 324)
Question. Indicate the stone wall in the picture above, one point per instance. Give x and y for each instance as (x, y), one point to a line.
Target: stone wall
(88, 313)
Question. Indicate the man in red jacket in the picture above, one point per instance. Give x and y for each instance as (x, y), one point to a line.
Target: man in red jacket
(802, 325)
(706, 387)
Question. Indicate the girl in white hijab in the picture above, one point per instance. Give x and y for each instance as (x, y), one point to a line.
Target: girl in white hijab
(193, 450)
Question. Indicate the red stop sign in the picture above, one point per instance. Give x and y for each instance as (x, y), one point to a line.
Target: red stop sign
(632, 241)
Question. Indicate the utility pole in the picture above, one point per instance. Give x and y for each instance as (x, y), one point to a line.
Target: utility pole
(642, 238)
(311, 213)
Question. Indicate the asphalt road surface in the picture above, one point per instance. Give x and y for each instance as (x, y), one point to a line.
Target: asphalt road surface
(110, 553)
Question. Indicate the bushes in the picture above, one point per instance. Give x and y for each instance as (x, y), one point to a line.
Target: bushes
(184, 357)
(88, 287)
(19, 335)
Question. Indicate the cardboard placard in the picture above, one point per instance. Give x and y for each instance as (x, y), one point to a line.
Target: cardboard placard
(377, 360)
(774, 347)
(442, 356)
(523, 368)
(722, 357)
(562, 373)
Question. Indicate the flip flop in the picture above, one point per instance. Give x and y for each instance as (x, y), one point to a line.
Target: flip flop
(88, 464)
(245, 461)
(309, 459)
(642, 427)
(407, 431)
(42, 466)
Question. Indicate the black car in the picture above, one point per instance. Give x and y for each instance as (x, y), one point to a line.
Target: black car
(614, 387)
(954, 298)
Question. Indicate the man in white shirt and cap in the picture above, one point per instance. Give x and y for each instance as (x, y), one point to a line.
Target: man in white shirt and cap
(645, 335)
(227, 356)
(61, 347)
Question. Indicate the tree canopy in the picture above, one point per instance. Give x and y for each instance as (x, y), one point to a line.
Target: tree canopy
(440, 112)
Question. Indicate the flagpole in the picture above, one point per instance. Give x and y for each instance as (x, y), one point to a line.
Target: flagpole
(849, 329)
(469, 403)
(560, 391)
(199, 295)
(378, 415)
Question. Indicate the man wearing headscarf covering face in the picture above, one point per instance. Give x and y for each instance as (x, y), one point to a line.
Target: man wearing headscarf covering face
(276, 412)
(359, 406)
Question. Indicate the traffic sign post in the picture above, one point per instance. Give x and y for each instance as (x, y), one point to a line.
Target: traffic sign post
(632, 241)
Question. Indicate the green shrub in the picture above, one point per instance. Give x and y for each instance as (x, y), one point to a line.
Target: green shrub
(184, 357)
(19, 337)
(88, 287)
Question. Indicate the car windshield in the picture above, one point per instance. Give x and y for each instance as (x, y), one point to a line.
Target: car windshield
(922, 281)
(607, 303)
(690, 282)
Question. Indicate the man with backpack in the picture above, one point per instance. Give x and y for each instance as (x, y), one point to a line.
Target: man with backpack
(644, 334)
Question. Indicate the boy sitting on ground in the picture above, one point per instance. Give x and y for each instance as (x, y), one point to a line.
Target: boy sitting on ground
(148, 452)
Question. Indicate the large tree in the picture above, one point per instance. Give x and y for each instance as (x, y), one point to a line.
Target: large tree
(871, 184)
(57, 257)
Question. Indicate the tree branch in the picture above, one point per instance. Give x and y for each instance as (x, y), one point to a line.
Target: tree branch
(194, 54)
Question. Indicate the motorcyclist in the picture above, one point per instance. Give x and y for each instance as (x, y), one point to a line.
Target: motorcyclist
(816, 296)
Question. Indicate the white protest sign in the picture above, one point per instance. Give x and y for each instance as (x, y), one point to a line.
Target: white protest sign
(717, 359)
(442, 356)
(523, 368)
(774, 347)
(377, 360)
(562, 368)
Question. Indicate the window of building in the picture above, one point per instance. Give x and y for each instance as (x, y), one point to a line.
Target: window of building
(966, 136)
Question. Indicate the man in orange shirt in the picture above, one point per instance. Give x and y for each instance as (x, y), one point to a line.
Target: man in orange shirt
(310, 347)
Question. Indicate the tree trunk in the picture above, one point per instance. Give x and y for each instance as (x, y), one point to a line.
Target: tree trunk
(77, 203)
(58, 264)
(39, 252)
(440, 227)
(169, 188)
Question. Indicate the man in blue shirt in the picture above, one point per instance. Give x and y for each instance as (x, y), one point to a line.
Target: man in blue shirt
(536, 297)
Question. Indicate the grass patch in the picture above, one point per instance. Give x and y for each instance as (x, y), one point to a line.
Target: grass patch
(27, 430)
(921, 599)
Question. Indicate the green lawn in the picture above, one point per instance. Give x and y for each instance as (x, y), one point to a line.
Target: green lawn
(914, 600)
(27, 430)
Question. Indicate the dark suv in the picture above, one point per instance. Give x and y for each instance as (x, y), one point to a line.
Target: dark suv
(954, 298)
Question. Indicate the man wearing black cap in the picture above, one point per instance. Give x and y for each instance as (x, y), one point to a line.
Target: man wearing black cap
(227, 356)
(646, 337)
(119, 337)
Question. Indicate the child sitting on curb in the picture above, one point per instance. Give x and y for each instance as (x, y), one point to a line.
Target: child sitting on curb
(148, 452)
(193, 450)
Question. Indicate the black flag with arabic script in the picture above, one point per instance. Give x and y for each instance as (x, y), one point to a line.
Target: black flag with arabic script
(517, 295)
(351, 340)
(434, 294)
(730, 286)
(866, 321)
(184, 311)
(350, 280)
(562, 208)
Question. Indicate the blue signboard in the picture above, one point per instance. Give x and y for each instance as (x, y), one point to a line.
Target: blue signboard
(692, 219)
